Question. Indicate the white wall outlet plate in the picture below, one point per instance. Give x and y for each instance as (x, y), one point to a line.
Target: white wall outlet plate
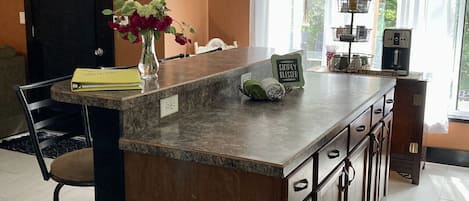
(169, 106)
(244, 77)
(22, 18)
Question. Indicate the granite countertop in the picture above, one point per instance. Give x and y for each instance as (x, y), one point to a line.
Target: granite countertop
(419, 76)
(187, 73)
(270, 138)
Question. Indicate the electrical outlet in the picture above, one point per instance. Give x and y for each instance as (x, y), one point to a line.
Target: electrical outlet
(169, 106)
(122, 20)
(244, 77)
(22, 18)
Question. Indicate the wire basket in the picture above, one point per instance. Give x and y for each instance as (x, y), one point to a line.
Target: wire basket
(359, 34)
(353, 6)
(341, 63)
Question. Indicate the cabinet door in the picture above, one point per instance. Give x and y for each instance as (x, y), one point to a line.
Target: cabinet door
(385, 156)
(333, 188)
(357, 172)
(374, 162)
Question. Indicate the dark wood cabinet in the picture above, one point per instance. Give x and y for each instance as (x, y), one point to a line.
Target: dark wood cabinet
(331, 155)
(357, 169)
(374, 169)
(385, 159)
(363, 174)
(406, 145)
(333, 188)
(300, 183)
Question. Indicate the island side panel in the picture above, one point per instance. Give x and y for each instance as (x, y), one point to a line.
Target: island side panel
(204, 94)
(108, 158)
(150, 177)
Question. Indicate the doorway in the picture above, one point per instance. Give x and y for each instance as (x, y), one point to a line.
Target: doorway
(63, 35)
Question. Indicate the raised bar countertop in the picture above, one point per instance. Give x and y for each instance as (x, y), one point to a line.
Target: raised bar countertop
(188, 72)
(270, 138)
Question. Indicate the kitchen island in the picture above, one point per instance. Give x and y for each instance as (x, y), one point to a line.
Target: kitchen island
(223, 146)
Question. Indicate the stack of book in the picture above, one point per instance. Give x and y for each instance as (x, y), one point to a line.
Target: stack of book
(85, 79)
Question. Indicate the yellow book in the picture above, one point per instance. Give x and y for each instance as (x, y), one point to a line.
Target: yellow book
(85, 79)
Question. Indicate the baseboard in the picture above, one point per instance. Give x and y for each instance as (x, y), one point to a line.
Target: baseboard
(448, 156)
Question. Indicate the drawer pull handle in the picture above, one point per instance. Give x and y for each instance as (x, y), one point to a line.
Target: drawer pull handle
(361, 128)
(352, 177)
(377, 144)
(378, 111)
(389, 101)
(300, 185)
(333, 154)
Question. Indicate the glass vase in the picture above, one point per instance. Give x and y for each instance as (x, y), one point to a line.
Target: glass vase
(148, 64)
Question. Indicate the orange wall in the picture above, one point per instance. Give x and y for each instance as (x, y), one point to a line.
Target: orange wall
(12, 32)
(229, 20)
(457, 137)
(225, 19)
(193, 12)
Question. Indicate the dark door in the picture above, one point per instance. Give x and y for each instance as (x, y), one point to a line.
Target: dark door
(333, 188)
(357, 166)
(374, 162)
(385, 155)
(63, 35)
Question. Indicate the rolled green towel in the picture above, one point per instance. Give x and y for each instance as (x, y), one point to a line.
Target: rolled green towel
(253, 89)
(273, 89)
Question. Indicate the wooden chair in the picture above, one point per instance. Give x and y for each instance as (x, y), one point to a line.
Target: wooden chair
(213, 44)
(57, 121)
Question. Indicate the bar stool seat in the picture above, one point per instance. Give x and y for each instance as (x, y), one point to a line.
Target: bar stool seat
(73, 167)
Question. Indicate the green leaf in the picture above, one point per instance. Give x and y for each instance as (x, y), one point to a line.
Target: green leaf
(156, 4)
(107, 12)
(146, 10)
(192, 30)
(128, 8)
(122, 35)
(119, 3)
(132, 38)
(157, 35)
(171, 30)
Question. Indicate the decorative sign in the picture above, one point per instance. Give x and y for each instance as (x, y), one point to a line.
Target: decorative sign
(287, 69)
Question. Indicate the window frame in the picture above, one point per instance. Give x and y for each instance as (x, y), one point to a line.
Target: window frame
(455, 114)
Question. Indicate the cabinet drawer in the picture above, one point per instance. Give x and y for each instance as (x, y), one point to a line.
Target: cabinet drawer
(377, 111)
(300, 183)
(388, 102)
(332, 154)
(359, 128)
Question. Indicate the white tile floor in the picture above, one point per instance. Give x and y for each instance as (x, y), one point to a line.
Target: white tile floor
(20, 180)
(438, 183)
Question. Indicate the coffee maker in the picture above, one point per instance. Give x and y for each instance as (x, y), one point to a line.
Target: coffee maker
(396, 50)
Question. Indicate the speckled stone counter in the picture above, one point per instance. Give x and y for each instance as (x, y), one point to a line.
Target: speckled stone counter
(270, 138)
(418, 76)
(183, 75)
(215, 124)
(199, 82)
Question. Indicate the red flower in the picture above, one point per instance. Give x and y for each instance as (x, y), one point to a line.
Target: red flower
(113, 25)
(123, 29)
(163, 24)
(181, 39)
(135, 20)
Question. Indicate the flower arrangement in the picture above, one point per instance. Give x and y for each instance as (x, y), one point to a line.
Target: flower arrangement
(143, 18)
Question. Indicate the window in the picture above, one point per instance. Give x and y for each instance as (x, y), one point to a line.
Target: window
(462, 103)
(313, 32)
(321, 16)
